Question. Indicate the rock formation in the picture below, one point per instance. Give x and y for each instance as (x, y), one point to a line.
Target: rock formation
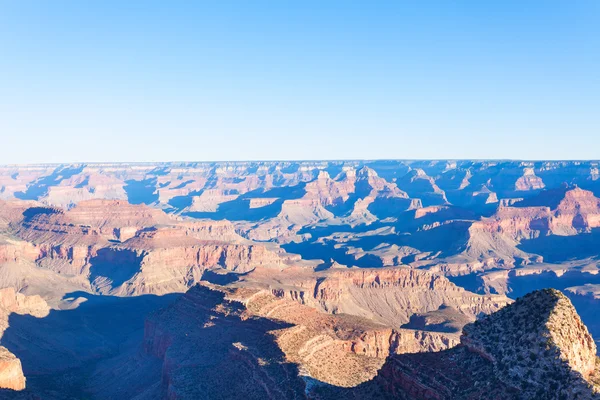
(389, 295)
(11, 372)
(535, 348)
(312, 274)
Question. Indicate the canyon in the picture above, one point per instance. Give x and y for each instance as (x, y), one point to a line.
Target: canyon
(293, 280)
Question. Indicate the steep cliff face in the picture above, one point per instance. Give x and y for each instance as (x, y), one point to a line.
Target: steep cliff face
(330, 192)
(241, 358)
(561, 212)
(529, 181)
(164, 260)
(210, 230)
(60, 244)
(11, 372)
(117, 219)
(535, 348)
(517, 222)
(13, 250)
(342, 350)
(389, 295)
(540, 333)
(577, 211)
(12, 301)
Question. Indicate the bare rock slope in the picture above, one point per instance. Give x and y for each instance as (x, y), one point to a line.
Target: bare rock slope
(535, 348)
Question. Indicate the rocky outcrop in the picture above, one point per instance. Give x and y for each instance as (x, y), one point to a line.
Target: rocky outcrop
(535, 348)
(388, 295)
(11, 372)
(529, 181)
(242, 356)
(165, 260)
(12, 301)
(419, 185)
(338, 349)
(577, 211)
(330, 192)
(14, 251)
(117, 219)
(89, 184)
(539, 332)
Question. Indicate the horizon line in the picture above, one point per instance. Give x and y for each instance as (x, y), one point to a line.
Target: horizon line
(295, 160)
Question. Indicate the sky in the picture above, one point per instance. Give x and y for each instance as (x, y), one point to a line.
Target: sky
(112, 80)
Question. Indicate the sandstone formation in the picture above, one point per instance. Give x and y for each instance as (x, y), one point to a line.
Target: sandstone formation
(314, 275)
(11, 372)
(389, 296)
(535, 348)
(266, 344)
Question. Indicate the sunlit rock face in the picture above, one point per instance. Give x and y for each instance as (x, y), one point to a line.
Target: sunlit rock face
(535, 348)
(11, 372)
(356, 276)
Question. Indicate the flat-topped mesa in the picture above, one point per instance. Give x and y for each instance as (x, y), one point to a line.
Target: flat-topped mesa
(539, 339)
(11, 212)
(516, 222)
(160, 238)
(171, 259)
(328, 191)
(90, 184)
(117, 219)
(59, 243)
(388, 295)
(210, 230)
(577, 210)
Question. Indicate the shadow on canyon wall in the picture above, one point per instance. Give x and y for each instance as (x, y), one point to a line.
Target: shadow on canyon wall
(557, 249)
(39, 188)
(57, 352)
(447, 239)
(239, 209)
(122, 347)
(141, 192)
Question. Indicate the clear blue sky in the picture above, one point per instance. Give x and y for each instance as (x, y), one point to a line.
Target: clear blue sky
(163, 80)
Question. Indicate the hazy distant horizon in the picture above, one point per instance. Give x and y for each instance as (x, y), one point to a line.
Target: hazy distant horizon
(358, 160)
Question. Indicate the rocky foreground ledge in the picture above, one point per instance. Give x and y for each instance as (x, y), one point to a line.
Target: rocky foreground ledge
(220, 341)
(535, 348)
